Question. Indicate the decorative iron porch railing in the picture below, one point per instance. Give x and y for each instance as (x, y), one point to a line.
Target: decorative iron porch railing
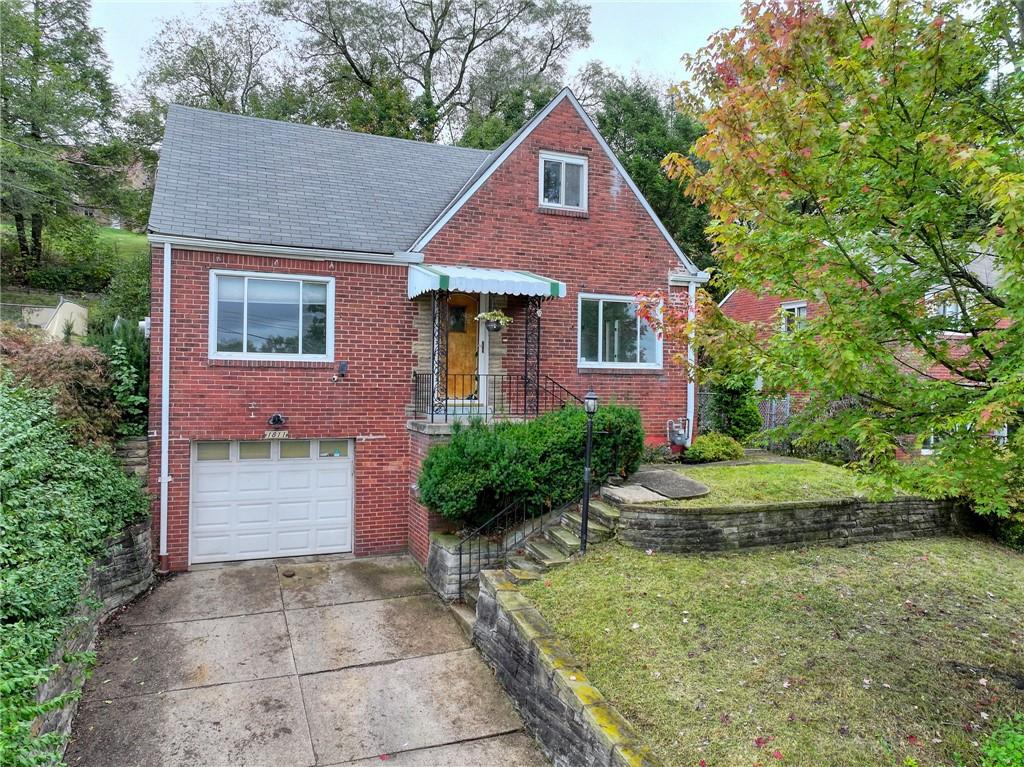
(490, 397)
(489, 544)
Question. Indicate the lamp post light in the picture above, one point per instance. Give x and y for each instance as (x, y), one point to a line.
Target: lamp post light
(590, 406)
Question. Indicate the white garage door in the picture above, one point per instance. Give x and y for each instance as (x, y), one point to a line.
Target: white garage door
(278, 498)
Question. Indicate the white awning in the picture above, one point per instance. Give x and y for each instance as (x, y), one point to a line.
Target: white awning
(471, 279)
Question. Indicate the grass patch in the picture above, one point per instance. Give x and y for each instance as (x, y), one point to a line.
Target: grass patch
(124, 242)
(870, 655)
(758, 483)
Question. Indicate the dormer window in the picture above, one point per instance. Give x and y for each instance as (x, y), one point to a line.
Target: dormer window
(794, 316)
(563, 181)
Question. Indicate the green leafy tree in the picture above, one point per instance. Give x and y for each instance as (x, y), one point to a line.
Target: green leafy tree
(451, 56)
(642, 127)
(55, 100)
(870, 157)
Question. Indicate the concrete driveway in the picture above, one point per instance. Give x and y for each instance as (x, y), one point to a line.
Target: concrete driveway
(292, 663)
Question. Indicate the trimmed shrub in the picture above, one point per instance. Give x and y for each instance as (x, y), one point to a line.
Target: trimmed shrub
(483, 468)
(61, 502)
(733, 410)
(713, 447)
(78, 377)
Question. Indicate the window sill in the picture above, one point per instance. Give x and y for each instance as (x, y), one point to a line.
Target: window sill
(602, 371)
(316, 364)
(563, 212)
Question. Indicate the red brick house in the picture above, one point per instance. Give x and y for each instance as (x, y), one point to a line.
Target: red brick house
(322, 289)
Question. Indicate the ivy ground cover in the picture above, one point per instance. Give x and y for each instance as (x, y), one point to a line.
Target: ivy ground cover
(904, 653)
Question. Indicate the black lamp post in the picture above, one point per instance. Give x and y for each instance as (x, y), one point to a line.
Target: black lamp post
(590, 406)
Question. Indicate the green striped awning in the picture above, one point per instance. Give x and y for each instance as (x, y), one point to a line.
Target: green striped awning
(425, 278)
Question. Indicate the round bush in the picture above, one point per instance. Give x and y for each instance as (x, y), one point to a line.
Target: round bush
(713, 447)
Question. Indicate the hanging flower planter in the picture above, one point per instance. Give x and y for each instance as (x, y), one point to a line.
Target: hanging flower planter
(495, 321)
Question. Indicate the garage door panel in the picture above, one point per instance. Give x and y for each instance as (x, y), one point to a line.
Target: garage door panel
(211, 548)
(332, 510)
(212, 515)
(253, 480)
(210, 482)
(333, 539)
(340, 479)
(255, 514)
(254, 545)
(295, 479)
(297, 511)
(245, 509)
(294, 541)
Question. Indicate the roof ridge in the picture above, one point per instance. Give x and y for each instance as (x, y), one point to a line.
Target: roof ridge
(321, 128)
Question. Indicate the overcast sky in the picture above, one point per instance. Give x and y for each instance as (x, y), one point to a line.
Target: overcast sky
(646, 37)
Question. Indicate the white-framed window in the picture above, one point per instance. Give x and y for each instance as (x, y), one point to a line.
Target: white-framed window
(563, 181)
(794, 316)
(259, 316)
(611, 335)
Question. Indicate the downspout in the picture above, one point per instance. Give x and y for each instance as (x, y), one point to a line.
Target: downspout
(691, 384)
(165, 404)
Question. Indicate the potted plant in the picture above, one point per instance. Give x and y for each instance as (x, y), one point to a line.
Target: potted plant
(495, 320)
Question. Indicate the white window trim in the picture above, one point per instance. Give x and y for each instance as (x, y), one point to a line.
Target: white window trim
(214, 354)
(581, 363)
(792, 306)
(584, 186)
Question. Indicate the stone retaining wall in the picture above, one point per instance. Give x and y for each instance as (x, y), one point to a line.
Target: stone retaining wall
(443, 565)
(574, 724)
(838, 522)
(115, 578)
(133, 453)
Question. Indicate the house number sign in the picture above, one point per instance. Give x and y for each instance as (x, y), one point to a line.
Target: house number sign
(275, 435)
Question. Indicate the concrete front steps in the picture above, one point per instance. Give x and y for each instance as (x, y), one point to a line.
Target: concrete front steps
(550, 547)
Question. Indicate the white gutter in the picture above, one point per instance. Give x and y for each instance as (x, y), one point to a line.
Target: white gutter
(165, 395)
(691, 384)
(284, 251)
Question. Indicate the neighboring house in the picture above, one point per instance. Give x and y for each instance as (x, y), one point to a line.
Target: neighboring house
(785, 314)
(52, 320)
(323, 292)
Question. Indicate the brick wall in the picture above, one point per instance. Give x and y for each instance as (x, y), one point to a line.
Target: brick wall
(210, 399)
(615, 249)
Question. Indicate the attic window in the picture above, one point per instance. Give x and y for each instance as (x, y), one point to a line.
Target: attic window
(563, 181)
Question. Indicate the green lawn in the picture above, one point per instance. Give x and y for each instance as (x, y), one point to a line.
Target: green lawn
(902, 653)
(758, 483)
(124, 242)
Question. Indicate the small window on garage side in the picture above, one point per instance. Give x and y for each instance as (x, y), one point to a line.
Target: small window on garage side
(254, 451)
(295, 448)
(270, 317)
(213, 451)
(334, 448)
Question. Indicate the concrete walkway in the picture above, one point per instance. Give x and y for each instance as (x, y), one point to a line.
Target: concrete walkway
(292, 663)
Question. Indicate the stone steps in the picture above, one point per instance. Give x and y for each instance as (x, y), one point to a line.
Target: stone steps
(596, 531)
(465, 616)
(546, 553)
(564, 539)
(605, 513)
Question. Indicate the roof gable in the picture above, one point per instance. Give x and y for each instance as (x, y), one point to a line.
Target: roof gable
(500, 155)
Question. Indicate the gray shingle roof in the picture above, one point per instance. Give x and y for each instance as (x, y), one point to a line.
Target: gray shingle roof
(249, 180)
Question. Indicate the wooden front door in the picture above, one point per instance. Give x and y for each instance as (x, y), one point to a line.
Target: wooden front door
(463, 331)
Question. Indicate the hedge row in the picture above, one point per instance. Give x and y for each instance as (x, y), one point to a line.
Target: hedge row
(485, 467)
